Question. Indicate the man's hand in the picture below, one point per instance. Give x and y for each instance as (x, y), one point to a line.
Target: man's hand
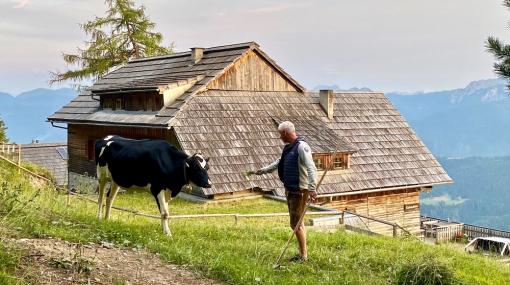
(251, 172)
(313, 196)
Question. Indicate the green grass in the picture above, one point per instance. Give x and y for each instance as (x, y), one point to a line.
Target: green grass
(244, 253)
(9, 260)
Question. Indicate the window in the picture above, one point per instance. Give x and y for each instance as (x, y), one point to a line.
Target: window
(107, 102)
(324, 161)
(338, 163)
(150, 104)
(132, 102)
(118, 103)
(62, 151)
(411, 207)
(319, 163)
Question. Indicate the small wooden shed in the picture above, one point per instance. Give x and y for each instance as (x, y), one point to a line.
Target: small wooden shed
(225, 102)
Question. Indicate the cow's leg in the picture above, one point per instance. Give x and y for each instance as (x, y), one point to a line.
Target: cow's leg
(110, 198)
(100, 200)
(163, 208)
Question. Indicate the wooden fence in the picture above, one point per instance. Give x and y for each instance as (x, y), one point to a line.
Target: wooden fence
(449, 232)
(12, 152)
(9, 148)
(365, 224)
(473, 231)
(236, 216)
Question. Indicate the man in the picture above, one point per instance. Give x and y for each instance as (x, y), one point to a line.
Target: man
(298, 173)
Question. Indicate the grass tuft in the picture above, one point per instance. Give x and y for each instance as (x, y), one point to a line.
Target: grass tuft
(426, 270)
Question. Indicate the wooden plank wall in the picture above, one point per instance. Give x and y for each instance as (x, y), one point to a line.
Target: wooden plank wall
(252, 72)
(133, 102)
(400, 207)
(81, 138)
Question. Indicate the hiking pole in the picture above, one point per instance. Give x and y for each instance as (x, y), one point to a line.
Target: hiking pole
(277, 263)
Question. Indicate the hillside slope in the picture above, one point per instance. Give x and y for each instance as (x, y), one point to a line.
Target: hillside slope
(243, 252)
(479, 195)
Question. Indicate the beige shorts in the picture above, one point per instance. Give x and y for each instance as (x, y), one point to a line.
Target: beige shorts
(296, 202)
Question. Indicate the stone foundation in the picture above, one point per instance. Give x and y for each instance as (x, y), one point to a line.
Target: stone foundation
(82, 183)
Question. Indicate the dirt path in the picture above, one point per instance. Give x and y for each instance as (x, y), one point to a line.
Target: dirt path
(50, 261)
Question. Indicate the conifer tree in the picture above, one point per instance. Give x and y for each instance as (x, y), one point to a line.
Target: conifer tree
(501, 52)
(125, 32)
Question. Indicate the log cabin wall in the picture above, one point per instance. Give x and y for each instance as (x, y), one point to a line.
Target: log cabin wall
(401, 207)
(81, 140)
(252, 72)
(132, 102)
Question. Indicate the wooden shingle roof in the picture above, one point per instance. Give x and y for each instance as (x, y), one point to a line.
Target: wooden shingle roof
(154, 74)
(389, 153)
(52, 156)
(236, 129)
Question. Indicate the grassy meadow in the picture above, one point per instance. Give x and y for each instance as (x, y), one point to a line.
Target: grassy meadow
(219, 248)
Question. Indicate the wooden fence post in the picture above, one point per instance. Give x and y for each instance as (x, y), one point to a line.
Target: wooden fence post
(394, 231)
(19, 158)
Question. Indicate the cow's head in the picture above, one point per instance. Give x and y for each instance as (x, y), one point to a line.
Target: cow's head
(196, 170)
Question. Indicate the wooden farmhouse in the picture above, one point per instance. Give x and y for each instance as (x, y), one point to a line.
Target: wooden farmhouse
(225, 102)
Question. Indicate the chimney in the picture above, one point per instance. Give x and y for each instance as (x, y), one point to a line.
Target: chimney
(326, 102)
(197, 54)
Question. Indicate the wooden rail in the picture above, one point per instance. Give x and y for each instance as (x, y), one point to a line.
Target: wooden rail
(394, 226)
(473, 231)
(30, 172)
(236, 216)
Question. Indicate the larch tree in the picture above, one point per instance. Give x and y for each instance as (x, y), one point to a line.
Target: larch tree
(124, 33)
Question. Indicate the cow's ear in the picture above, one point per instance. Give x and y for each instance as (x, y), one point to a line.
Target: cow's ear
(207, 159)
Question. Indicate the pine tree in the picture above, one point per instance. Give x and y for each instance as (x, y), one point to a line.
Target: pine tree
(501, 52)
(124, 33)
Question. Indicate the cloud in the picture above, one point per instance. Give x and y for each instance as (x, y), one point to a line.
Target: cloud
(22, 4)
(279, 8)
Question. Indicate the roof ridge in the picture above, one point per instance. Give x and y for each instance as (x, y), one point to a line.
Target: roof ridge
(348, 92)
(186, 53)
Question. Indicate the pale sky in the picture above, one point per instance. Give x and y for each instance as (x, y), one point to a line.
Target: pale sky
(386, 45)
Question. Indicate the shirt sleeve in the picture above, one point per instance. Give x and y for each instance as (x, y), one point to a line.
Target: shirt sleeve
(269, 168)
(305, 155)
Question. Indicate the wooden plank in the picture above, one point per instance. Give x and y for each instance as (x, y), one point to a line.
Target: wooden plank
(251, 72)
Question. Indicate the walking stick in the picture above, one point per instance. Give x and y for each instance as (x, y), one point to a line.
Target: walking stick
(277, 263)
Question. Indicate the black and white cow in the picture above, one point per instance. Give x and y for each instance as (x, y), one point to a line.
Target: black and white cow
(154, 164)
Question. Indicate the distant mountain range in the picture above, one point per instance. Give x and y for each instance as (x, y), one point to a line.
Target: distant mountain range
(471, 121)
(338, 89)
(25, 114)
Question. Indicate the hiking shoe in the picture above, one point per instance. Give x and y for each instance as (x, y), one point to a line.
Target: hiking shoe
(298, 258)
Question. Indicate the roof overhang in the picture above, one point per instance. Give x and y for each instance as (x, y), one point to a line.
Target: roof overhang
(394, 188)
(110, 124)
